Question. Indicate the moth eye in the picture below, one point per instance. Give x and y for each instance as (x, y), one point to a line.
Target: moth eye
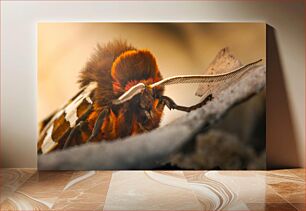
(155, 93)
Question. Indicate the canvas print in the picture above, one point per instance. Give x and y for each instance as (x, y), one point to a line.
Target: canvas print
(161, 96)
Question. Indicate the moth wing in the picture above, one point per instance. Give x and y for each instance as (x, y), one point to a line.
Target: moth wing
(46, 121)
(225, 61)
(61, 123)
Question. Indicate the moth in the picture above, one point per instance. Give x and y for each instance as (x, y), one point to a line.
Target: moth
(121, 94)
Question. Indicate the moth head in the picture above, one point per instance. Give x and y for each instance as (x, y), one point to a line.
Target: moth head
(141, 99)
(145, 106)
(146, 99)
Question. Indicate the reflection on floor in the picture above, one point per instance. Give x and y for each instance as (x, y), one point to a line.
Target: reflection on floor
(28, 189)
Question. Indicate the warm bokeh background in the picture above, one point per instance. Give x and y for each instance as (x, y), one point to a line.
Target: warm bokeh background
(180, 48)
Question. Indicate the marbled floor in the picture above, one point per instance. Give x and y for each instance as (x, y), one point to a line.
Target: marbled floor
(28, 189)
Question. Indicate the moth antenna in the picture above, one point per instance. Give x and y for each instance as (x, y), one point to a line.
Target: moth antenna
(183, 79)
(134, 90)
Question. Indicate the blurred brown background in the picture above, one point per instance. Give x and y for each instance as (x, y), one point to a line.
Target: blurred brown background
(180, 48)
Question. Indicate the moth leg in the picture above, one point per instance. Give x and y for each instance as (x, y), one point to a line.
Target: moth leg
(172, 105)
(80, 122)
(72, 133)
(98, 124)
(125, 121)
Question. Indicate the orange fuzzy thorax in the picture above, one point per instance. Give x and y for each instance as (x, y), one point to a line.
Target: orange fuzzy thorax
(128, 69)
(133, 67)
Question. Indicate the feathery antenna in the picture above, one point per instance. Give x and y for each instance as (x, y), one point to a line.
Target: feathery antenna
(184, 79)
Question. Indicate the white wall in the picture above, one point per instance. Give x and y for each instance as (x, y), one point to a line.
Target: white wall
(18, 53)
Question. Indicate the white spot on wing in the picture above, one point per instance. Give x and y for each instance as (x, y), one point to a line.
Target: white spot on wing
(71, 116)
(88, 100)
(48, 143)
(71, 109)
